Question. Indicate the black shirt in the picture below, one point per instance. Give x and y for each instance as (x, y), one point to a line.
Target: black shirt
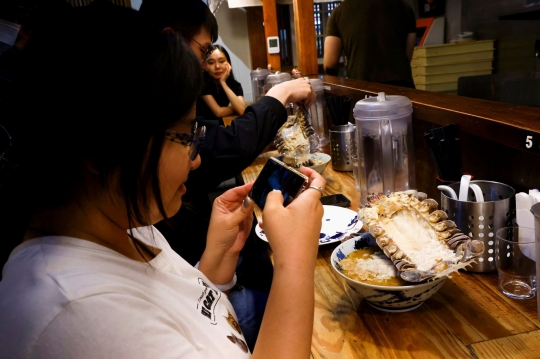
(220, 96)
(374, 36)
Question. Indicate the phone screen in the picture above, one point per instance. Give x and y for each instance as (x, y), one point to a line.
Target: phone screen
(276, 175)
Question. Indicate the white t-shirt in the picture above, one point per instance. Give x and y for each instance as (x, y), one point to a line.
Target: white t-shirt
(63, 297)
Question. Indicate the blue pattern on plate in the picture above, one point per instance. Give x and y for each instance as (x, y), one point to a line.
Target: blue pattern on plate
(329, 238)
(336, 224)
(353, 221)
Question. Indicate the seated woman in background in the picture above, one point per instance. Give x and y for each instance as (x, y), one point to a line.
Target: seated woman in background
(104, 155)
(222, 95)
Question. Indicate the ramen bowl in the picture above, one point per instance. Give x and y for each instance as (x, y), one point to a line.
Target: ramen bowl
(320, 161)
(400, 298)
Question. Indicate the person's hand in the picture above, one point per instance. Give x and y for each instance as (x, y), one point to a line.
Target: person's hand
(293, 231)
(294, 91)
(230, 222)
(226, 73)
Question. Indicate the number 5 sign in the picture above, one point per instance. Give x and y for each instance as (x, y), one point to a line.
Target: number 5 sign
(532, 142)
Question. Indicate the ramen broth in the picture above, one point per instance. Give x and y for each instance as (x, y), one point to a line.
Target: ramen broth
(370, 265)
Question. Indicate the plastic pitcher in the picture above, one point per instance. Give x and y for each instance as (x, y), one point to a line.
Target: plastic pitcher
(258, 80)
(275, 79)
(318, 112)
(385, 147)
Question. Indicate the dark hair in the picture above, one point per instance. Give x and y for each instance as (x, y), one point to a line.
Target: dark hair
(187, 17)
(28, 12)
(102, 99)
(231, 79)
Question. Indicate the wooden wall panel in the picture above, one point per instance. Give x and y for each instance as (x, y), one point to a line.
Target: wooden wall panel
(257, 40)
(271, 29)
(304, 26)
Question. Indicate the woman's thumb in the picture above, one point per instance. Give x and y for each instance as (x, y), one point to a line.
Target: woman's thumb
(274, 199)
(244, 210)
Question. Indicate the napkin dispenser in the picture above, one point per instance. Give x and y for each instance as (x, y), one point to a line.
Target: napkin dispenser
(535, 211)
(524, 202)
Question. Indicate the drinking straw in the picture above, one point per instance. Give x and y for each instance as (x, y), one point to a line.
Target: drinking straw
(346, 103)
(429, 141)
(445, 147)
(331, 109)
(338, 110)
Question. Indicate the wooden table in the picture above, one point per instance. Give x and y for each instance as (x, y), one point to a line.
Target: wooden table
(467, 318)
(227, 120)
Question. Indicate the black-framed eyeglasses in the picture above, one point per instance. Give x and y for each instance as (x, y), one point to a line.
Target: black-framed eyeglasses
(193, 140)
(207, 50)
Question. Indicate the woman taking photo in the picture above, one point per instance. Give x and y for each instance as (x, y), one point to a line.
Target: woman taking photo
(104, 155)
(222, 95)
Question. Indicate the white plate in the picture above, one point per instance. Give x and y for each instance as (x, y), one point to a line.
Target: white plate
(336, 222)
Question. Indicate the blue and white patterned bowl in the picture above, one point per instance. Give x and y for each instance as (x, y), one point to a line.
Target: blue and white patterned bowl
(385, 298)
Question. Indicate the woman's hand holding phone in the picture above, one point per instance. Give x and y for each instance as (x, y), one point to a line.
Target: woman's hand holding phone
(293, 231)
(230, 225)
(293, 234)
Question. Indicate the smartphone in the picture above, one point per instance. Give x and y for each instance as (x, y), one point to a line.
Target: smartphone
(336, 200)
(277, 175)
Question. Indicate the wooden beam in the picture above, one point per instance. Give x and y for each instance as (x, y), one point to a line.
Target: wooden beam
(304, 27)
(271, 29)
(257, 40)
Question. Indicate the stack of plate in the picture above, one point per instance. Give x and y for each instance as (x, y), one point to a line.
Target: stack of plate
(438, 67)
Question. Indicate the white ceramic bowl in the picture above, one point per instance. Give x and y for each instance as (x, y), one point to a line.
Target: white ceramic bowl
(385, 298)
(323, 158)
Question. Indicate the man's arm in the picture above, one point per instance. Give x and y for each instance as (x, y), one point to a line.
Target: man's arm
(227, 151)
(332, 53)
(411, 43)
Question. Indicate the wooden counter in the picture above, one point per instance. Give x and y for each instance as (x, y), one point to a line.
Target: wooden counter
(467, 318)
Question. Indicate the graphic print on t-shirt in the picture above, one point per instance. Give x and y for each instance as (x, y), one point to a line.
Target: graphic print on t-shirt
(233, 338)
(232, 322)
(207, 302)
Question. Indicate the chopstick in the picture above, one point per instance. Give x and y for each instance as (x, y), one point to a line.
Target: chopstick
(339, 109)
(445, 149)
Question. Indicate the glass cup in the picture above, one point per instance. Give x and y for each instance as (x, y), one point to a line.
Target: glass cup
(515, 258)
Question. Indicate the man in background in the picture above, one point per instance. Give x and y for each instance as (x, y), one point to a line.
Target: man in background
(378, 38)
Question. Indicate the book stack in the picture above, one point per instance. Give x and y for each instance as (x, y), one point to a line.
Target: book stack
(438, 67)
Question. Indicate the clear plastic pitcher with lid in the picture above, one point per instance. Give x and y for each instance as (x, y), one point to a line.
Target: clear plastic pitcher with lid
(384, 138)
(258, 80)
(318, 112)
(275, 79)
